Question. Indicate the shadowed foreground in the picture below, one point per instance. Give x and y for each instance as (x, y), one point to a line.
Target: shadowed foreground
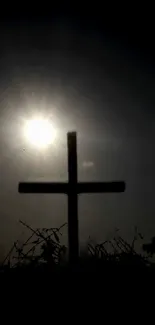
(42, 252)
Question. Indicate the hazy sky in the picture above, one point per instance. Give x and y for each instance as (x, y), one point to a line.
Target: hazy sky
(86, 78)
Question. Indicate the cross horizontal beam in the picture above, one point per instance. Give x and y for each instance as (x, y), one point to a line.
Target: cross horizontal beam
(81, 187)
(72, 188)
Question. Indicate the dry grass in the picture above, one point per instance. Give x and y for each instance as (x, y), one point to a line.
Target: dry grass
(43, 250)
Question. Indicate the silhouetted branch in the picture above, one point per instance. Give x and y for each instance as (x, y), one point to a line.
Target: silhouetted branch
(43, 247)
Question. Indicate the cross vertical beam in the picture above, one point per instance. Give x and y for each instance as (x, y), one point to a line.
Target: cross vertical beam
(72, 198)
(72, 188)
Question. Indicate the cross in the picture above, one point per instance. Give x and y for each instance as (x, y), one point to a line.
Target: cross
(72, 188)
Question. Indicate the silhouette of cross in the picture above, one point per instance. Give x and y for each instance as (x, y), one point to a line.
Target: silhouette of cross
(72, 188)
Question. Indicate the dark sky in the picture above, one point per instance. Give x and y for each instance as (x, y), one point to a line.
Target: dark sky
(93, 72)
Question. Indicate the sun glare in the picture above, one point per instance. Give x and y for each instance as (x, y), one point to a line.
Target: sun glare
(40, 132)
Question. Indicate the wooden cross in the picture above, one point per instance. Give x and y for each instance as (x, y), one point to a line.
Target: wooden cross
(72, 188)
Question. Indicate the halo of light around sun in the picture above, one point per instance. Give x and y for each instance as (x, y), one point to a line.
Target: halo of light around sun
(40, 132)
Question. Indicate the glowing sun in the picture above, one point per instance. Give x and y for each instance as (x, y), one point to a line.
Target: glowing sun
(40, 132)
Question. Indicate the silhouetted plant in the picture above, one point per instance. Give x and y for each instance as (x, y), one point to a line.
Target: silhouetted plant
(42, 249)
(119, 251)
(150, 247)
